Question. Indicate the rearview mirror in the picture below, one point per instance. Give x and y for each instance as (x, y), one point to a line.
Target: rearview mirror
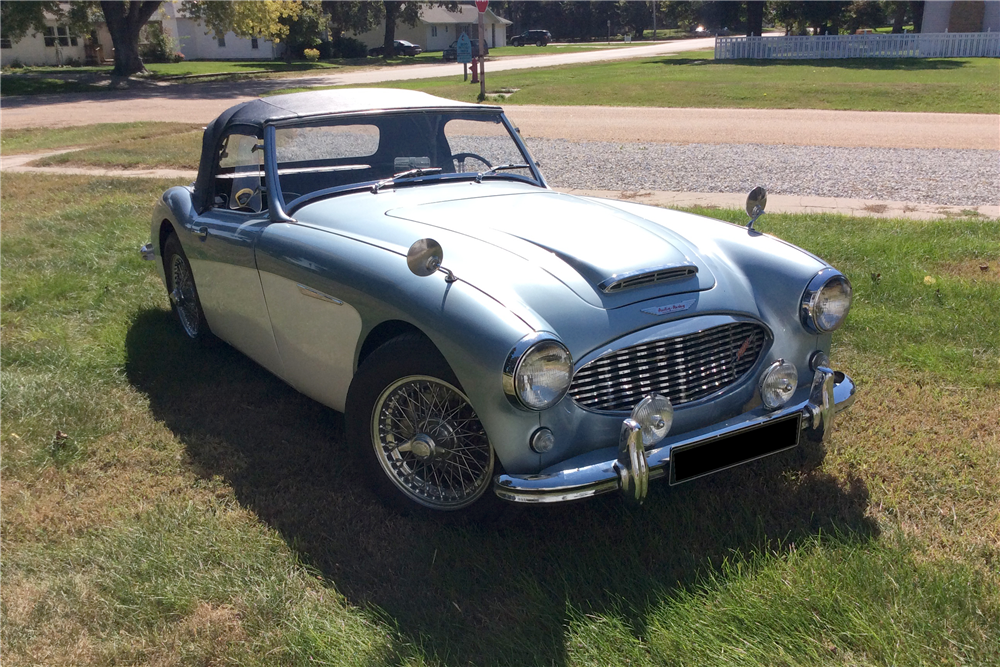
(424, 257)
(756, 201)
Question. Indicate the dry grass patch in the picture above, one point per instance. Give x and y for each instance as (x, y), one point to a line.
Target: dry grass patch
(975, 269)
(930, 455)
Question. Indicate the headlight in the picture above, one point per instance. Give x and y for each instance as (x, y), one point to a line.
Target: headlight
(537, 373)
(826, 301)
(778, 384)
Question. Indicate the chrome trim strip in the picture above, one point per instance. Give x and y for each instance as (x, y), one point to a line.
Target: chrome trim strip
(574, 483)
(316, 294)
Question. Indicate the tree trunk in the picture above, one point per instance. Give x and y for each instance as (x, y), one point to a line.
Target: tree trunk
(899, 15)
(392, 8)
(124, 23)
(918, 16)
(755, 18)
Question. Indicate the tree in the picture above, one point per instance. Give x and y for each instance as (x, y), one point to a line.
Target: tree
(19, 18)
(245, 18)
(124, 21)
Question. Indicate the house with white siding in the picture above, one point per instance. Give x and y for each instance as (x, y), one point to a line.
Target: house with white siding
(438, 28)
(58, 46)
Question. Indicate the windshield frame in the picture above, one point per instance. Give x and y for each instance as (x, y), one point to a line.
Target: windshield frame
(281, 210)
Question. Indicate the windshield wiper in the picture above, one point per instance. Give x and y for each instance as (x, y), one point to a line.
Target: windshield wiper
(409, 173)
(499, 167)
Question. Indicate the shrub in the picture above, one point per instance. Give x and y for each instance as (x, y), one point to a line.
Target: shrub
(312, 55)
(156, 45)
(348, 47)
(177, 57)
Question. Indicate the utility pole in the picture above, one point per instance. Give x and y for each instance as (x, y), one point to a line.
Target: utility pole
(481, 5)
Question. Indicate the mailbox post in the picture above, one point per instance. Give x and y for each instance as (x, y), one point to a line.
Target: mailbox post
(463, 54)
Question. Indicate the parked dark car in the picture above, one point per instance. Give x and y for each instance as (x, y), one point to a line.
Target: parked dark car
(451, 53)
(402, 47)
(536, 37)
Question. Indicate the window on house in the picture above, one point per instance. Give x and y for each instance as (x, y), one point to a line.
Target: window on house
(253, 43)
(5, 43)
(434, 31)
(222, 40)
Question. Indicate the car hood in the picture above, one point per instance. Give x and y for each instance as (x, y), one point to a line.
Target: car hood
(608, 257)
(544, 255)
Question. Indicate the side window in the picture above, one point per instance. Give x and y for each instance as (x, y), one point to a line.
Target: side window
(239, 174)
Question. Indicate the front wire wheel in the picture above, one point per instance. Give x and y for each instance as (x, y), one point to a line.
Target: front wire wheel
(430, 443)
(182, 291)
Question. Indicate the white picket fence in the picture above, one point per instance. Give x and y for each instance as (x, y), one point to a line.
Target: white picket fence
(872, 45)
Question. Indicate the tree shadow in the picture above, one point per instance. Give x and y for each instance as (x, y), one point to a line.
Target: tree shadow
(901, 64)
(475, 594)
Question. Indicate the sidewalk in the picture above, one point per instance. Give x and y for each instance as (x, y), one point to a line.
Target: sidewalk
(775, 203)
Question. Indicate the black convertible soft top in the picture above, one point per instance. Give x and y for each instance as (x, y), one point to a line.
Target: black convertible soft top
(252, 116)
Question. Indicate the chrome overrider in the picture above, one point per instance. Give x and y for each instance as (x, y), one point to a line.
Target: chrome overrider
(633, 468)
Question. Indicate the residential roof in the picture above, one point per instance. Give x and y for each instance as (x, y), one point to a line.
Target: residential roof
(465, 14)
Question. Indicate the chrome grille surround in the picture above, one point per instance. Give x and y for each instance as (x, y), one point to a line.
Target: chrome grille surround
(645, 277)
(683, 368)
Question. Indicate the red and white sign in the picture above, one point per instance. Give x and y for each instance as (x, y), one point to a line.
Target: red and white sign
(481, 5)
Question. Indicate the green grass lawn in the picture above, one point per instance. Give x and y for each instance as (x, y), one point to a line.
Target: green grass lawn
(146, 137)
(166, 504)
(47, 80)
(694, 79)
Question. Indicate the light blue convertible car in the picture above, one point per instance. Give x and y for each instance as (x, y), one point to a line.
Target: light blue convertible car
(399, 258)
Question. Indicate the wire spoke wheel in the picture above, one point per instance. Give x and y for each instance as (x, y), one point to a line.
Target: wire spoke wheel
(183, 295)
(431, 444)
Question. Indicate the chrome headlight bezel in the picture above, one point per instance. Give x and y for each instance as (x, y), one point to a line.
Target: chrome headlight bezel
(531, 344)
(811, 310)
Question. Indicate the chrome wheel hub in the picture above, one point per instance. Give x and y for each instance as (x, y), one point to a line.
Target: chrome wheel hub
(431, 444)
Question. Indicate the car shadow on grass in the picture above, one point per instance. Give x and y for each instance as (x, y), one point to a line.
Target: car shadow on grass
(471, 594)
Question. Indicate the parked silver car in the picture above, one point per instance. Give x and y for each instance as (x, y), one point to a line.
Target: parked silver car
(398, 257)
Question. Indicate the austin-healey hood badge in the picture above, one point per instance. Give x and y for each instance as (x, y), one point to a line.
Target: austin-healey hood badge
(672, 308)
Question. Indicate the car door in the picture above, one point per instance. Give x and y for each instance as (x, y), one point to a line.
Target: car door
(221, 252)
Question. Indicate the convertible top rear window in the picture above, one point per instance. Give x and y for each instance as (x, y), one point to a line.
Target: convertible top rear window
(337, 153)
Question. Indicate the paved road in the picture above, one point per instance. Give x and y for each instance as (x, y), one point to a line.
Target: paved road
(201, 102)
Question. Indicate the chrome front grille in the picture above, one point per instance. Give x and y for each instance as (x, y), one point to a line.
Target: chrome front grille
(684, 368)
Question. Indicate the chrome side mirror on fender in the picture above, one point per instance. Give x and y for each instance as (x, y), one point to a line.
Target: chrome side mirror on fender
(756, 201)
(424, 258)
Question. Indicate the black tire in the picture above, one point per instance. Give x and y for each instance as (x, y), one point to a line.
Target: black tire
(183, 292)
(420, 442)
(539, 43)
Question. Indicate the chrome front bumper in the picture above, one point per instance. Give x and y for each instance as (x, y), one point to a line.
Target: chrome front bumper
(633, 468)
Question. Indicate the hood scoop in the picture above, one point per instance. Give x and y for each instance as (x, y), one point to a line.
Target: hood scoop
(644, 278)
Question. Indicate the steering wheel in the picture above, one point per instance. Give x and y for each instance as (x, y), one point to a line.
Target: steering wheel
(243, 197)
(460, 158)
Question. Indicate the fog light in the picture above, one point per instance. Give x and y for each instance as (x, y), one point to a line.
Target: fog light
(542, 440)
(655, 415)
(778, 384)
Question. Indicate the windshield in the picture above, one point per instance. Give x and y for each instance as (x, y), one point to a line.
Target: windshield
(344, 153)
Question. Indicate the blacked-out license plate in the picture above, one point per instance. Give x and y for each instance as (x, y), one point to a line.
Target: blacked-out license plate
(751, 443)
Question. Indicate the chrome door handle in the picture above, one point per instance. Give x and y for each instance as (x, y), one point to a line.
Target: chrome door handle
(203, 234)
